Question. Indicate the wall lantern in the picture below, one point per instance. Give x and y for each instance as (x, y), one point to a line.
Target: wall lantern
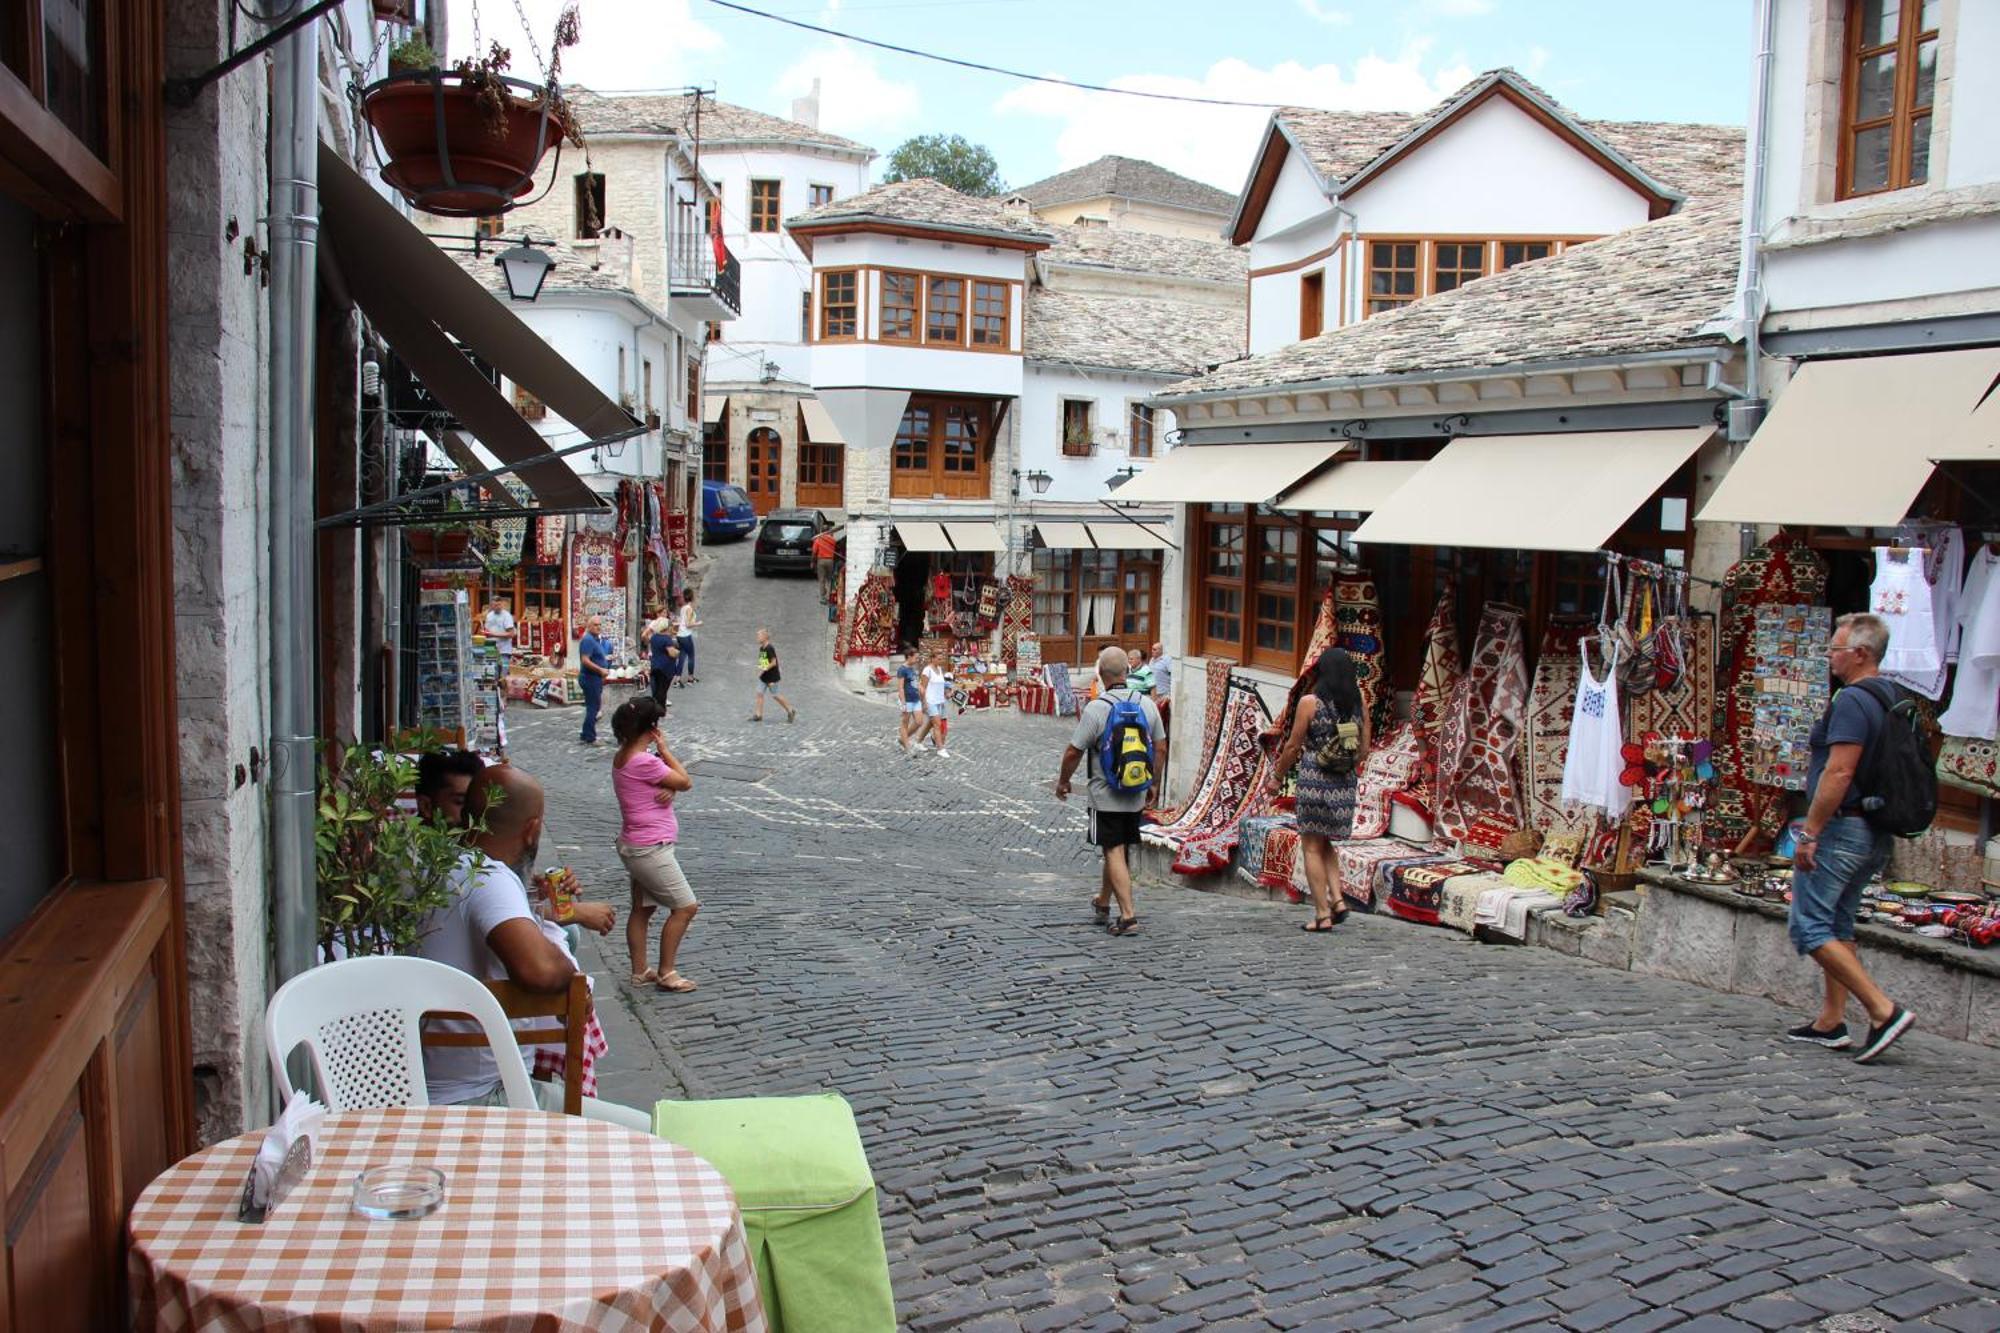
(1038, 480)
(526, 269)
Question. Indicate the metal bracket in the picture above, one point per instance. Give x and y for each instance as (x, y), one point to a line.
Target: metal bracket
(182, 92)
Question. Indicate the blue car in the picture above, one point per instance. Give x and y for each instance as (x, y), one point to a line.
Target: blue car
(725, 511)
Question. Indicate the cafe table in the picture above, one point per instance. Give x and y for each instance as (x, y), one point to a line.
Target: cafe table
(550, 1223)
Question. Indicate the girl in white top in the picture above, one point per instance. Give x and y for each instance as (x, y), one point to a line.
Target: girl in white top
(935, 677)
(685, 624)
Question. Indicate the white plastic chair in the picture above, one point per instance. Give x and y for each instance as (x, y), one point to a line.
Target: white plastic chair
(360, 1020)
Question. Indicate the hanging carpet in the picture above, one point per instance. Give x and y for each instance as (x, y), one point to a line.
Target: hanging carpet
(1480, 742)
(1057, 676)
(1440, 671)
(1015, 619)
(1205, 833)
(1216, 673)
(1551, 702)
(870, 623)
(1784, 571)
(1687, 708)
(1357, 617)
(1323, 637)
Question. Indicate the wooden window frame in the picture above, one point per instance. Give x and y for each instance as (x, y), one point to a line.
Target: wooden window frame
(1073, 647)
(915, 309)
(1460, 274)
(766, 206)
(934, 480)
(822, 473)
(1493, 249)
(827, 306)
(931, 283)
(715, 452)
(646, 383)
(1903, 109)
(1500, 248)
(1373, 304)
(1204, 521)
(1304, 588)
(1142, 422)
(817, 193)
(979, 291)
(588, 189)
(1312, 304)
(1087, 409)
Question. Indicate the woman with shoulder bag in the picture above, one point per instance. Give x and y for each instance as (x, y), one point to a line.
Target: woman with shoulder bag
(1327, 739)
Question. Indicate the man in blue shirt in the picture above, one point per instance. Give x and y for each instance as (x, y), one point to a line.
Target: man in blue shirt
(593, 664)
(912, 711)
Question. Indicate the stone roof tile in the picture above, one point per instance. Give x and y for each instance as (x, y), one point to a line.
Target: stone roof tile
(926, 202)
(721, 122)
(1127, 178)
(1125, 251)
(1129, 332)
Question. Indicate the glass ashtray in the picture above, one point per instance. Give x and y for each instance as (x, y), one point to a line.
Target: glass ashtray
(398, 1193)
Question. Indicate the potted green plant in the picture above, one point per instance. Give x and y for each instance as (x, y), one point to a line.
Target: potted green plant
(467, 141)
(444, 541)
(381, 870)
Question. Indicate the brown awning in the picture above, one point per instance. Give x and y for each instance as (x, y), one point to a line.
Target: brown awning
(416, 295)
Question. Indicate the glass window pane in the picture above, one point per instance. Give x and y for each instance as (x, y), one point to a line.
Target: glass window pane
(1926, 73)
(1920, 150)
(71, 41)
(1929, 20)
(1225, 550)
(1878, 21)
(1673, 513)
(1871, 158)
(1875, 90)
(1277, 555)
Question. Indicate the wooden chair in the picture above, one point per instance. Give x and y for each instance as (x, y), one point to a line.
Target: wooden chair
(571, 1007)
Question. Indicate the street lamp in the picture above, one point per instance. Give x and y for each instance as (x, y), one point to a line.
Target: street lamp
(1120, 477)
(525, 269)
(1039, 480)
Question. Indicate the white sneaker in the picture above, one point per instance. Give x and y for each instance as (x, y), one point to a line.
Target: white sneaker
(943, 753)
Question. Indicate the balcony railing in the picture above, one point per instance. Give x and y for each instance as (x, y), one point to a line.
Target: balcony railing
(692, 271)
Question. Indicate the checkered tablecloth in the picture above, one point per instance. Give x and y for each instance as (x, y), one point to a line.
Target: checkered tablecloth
(550, 1223)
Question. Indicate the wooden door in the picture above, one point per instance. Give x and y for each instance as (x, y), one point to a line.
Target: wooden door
(764, 469)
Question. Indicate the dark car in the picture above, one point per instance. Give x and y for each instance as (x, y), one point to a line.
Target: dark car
(725, 511)
(785, 541)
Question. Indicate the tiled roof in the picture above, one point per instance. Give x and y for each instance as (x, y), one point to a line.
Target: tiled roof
(1700, 161)
(572, 271)
(1129, 332)
(930, 203)
(1127, 178)
(1651, 287)
(721, 122)
(1125, 251)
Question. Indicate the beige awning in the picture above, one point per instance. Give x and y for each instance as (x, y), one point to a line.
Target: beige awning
(1225, 473)
(1065, 536)
(1850, 443)
(923, 537)
(1120, 536)
(420, 300)
(818, 426)
(1350, 488)
(714, 407)
(1532, 492)
(975, 536)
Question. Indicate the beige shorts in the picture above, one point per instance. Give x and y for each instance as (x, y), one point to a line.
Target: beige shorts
(656, 874)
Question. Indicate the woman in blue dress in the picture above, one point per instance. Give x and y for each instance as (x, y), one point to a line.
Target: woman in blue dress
(1328, 768)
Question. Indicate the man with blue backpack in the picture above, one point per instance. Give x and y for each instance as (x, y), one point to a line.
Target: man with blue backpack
(1120, 735)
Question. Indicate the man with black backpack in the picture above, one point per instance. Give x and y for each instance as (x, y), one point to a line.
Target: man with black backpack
(1120, 733)
(1856, 804)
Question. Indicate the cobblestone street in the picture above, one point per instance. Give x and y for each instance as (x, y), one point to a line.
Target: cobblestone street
(1222, 1122)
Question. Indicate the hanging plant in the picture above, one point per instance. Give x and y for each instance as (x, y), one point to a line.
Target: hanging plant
(468, 141)
(395, 11)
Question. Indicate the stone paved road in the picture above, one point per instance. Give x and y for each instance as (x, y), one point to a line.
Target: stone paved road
(1223, 1123)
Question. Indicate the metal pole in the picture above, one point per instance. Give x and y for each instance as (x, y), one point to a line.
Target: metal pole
(294, 232)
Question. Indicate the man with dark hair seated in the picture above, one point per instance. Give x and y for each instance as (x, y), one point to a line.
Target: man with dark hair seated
(443, 778)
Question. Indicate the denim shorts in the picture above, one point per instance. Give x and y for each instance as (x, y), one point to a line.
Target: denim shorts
(1824, 899)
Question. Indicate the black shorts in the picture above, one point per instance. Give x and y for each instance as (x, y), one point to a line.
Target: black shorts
(1114, 828)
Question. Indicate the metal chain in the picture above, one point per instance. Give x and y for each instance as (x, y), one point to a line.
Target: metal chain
(528, 31)
(477, 42)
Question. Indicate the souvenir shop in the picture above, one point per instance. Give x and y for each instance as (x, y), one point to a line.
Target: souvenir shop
(1547, 724)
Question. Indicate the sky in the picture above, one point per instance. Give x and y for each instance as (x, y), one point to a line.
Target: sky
(1604, 59)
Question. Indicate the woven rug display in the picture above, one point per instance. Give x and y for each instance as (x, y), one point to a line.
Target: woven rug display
(1205, 834)
(1434, 686)
(1689, 707)
(1322, 639)
(1057, 676)
(1782, 571)
(1458, 902)
(1014, 621)
(1355, 864)
(1218, 695)
(1551, 704)
(1415, 890)
(1282, 866)
(870, 623)
(1254, 836)
(1480, 743)
(1357, 617)
(1392, 766)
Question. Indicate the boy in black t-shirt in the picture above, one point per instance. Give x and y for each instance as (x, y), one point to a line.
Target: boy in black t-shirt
(768, 678)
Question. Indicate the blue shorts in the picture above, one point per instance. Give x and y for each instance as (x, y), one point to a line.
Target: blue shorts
(912, 706)
(1825, 898)
(934, 710)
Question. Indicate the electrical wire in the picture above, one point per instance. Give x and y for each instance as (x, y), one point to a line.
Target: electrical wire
(988, 69)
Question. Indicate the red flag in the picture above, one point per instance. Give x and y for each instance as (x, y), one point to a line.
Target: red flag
(715, 233)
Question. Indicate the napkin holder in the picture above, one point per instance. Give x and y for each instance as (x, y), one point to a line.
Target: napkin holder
(283, 1158)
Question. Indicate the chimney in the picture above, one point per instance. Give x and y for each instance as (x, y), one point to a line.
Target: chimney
(805, 110)
(614, 256)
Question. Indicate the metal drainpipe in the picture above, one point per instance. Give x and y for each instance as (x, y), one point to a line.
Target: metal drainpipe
(1750, 272)
(294, 229)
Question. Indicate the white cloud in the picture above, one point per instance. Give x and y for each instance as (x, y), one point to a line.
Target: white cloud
(1214, 143)
(1318, 9)
(855, 99)
(624, 44)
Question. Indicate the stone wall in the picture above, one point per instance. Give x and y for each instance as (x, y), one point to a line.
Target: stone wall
(218, 313)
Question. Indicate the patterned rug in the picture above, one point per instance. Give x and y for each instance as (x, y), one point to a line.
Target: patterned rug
(1415, 889)
(1281, 862)
(869, 627)
(1355, 863)
(1435, 683)
(1322, 639)
(1689, 707)
(1782, 571)
(1480, 742)
(1014, 621)
(1551, 702)
(1057, 675)
(1458, 904)
(1392, 766)
(1357, 617)
(1218, 695)
(1205, 833)
(1254, 839)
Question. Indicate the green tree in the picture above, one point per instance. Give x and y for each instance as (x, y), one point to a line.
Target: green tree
(949, 158)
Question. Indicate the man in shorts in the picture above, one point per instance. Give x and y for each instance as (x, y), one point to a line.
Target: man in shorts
(1114, 816)
(768, 677)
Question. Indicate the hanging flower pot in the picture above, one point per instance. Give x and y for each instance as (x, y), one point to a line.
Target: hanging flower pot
(437, 546)
(463, 142)
(396, 11)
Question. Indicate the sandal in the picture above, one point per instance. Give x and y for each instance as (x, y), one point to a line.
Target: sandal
(1101, 913)
(647, 978)
(1125, 925)
(675, 982)
(1321, 925)
(1340, 915)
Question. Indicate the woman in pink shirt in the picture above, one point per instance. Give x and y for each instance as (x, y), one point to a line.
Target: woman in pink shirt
(646, 777)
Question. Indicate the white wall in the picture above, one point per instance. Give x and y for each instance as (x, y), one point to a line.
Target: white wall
(1040, 409)
(587, 331)
(775, 271)
(1274, 305)
(1974, 158)
(1296, 197)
